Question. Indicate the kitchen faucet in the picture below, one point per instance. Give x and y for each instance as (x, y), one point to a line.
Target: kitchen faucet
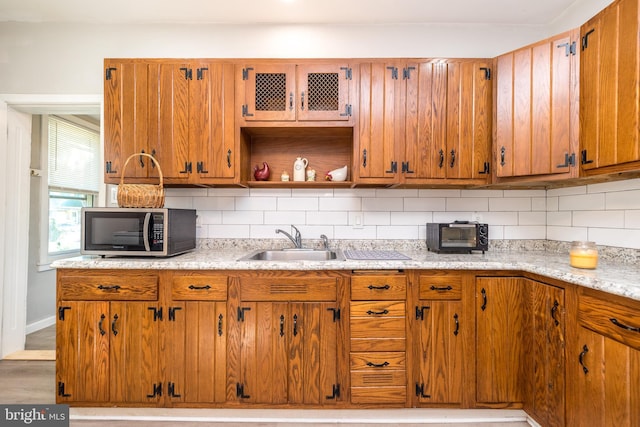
(325, 241)
(297, 241)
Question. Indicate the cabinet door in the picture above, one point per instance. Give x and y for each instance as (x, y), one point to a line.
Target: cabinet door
(606, 373)
(609, 77)
(197, 335)
(288, 353)
(535, 107)
(500, 341)
(468, 120)
(211, 122)
(269, 92)
(547, 367)
(323, 92)
(381, 107)
(126, 118)
(82, 346)
(440, 335)
(169, 110)
(135, 352)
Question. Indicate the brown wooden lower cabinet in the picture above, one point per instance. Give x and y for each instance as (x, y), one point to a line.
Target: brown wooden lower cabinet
(567, 355)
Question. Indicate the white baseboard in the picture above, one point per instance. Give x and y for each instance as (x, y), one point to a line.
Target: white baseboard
(40, 324)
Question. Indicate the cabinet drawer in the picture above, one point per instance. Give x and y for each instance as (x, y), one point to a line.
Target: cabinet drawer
(378, 378)
(388, 327)
(108, 287)
(377, 309)
(379, 287)
(440, 287)
(389, 394)
(617, 321)
(378, 361)
(288, 289)
(199, 288)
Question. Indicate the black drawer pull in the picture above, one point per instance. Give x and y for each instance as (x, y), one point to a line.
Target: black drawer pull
(378, 365)
(435, 288)
(379, 287)
(108, 288)
(377, 313)
(199, 287)
(623, 326)
(583, 353)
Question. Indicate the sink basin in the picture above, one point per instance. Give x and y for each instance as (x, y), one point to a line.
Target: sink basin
(293, 255)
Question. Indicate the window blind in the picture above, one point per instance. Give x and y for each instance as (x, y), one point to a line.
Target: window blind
(74, 156)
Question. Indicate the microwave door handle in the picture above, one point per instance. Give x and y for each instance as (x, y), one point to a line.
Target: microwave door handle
(145, 231)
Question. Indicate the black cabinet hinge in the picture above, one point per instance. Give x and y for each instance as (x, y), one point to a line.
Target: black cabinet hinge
(420, 391)
(336, 313)
(240, 391)
(245, 111)
(200, 167)
(347, 111)
(394, 72)
(172, 313)
(394, 168)
(405, 168)
(570, 48)
(61, 390)
(585, 39)
(188, 167)
(200, 73)
(486, 169)
(420, 312)
(61, 312)
(406, 72)
(583, 158)
(245, 73)
(107, 73)
(347, 73)
(487, 72)
(241, 311)
(335, 392)
(188, 73)
(569, 160)
(171, 390)
(157, 313)
(157, 391)
(108, 168)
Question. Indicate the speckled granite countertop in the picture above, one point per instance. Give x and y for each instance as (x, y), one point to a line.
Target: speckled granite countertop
(616, 278)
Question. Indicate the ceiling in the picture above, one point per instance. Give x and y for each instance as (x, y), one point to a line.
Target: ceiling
(497, 12)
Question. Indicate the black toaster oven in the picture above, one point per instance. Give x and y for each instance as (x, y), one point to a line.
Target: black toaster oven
(457, 237)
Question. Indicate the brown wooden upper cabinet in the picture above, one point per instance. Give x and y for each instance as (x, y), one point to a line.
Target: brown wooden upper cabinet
(537, 110)
(609, 97)
(179, 112)
(289, 92)
(424, 122)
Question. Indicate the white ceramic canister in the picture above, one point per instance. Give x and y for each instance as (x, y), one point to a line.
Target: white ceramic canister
(299, 169)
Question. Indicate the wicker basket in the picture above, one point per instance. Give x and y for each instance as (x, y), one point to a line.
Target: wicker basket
(141, 195)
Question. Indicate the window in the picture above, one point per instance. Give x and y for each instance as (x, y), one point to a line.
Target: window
(73, 181)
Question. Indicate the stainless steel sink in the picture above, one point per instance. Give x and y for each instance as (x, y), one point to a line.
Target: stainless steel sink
(293, 255)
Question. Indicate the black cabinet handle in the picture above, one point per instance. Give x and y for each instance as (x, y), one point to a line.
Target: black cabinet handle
(109, 288)
(623, 326)
(113, 325)
(378, 365)
(229, 158)
(220, 325)
(453, 158)
(440, 289)
(102, 331)
(441, 162)
(585, 39)
(584, 351)
(295, 325)
(379, 287)
(282, 325)
(291, 101)
(457, 329)
(364, 158)
(554, 311)
(484, 299)
(302, 100)
(205, 287)
(377, 313)
(502, 155)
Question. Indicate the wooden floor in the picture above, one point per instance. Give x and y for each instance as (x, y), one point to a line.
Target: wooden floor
(33, 382)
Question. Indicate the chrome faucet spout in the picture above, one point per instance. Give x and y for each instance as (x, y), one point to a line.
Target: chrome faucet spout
(325, 241)
(297, 240)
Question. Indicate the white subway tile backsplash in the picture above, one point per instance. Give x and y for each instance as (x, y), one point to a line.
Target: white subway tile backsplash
(410, 218)
(178, 202)
(214, 203)
(559, 219)
(230, 231)
(510, 204)
(377, 218)
(228, 192)
(632, 219)
(525, 232)
(615, 237)
(454, 216)
(585, 202)
(604, 219)
(185, 192)
(553, 203)
(270, 192)
(350, 233)
(386, 192)
(354, 192)
(566, 191)
(341, 204)
(623, 200)
(382, 204)
(210, 217)
(311, 192)
(566, 234)
(538, 204)
(481, 193)
(256, 203)
(242, 217)
(532, 218)
(298, 203)
(525, 193)
(327, 218)
(398, 232)
(499, 218)
(437, 193)
(424, 204)
(606, 187)
(285, 217)
(467, 204)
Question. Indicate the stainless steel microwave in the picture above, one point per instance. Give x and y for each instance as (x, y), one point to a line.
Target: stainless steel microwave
(457, 237)
(158, 232)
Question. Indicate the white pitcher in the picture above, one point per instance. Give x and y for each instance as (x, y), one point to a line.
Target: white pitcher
(299, 169)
